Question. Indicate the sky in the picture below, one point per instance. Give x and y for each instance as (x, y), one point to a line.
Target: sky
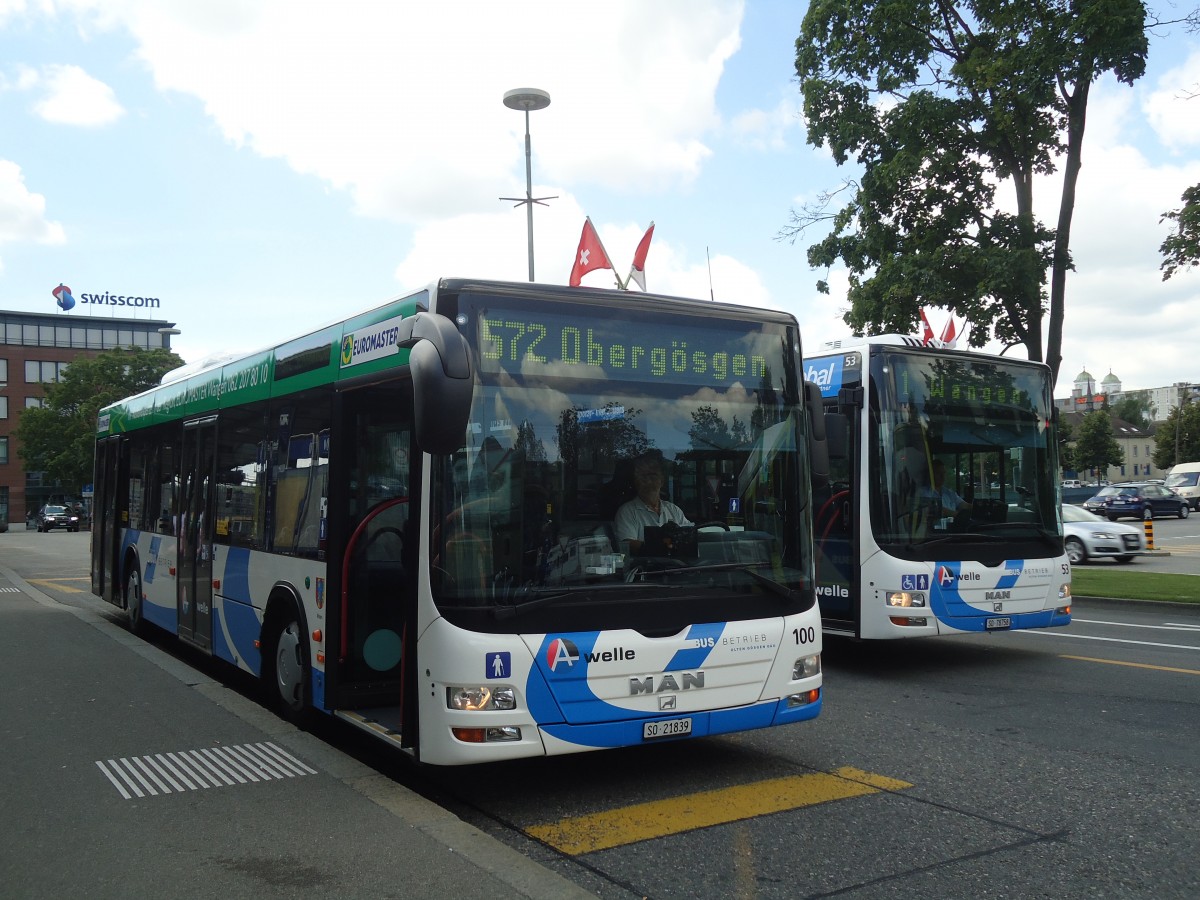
(266, 167)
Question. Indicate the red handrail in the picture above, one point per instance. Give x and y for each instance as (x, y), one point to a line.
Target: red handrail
(345, 614)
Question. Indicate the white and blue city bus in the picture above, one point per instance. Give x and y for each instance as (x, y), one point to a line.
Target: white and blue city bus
(899, 555)
(406, 520)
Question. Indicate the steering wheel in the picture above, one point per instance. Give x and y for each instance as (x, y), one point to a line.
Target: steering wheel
(724, 525)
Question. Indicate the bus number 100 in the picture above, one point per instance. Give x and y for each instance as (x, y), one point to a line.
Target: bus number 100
(804, 635)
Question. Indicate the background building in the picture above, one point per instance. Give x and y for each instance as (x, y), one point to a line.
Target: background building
(36, 349)
(1088, 394)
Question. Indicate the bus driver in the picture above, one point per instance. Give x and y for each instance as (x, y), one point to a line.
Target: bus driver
(647, 508)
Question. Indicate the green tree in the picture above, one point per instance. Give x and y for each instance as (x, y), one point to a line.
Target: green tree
(1136, 408)
(1066, 447)
(59, 437)
(1096, 448)
(710, 431)
(1181, 250)
(942, 103)
(1178, 439)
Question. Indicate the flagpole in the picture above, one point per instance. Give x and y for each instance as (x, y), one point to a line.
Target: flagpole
(604, 250)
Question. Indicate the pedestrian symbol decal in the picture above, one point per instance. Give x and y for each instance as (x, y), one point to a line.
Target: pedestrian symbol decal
(499, 664)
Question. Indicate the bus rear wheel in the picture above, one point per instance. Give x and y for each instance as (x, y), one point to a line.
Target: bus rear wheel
(287, 672)
(133, 601)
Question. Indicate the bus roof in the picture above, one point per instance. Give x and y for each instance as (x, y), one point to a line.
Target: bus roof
(359, 345)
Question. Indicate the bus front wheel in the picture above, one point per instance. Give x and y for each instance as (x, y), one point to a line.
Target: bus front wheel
(287, 672)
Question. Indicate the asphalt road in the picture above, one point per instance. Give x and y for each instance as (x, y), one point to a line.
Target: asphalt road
(1053, 763)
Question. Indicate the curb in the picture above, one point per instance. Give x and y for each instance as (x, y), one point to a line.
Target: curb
(1129, 601)
(525, 876)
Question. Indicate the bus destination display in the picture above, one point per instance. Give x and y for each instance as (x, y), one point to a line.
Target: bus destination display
(547, 345)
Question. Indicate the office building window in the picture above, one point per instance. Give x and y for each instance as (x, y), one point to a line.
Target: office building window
(43, 371)
(3, 371)
(3, 451)
(3, 407)
(33, 402)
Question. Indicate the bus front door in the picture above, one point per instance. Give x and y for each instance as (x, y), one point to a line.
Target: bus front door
(195, 547)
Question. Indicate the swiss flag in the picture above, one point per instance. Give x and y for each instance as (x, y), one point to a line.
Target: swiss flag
(949, 331)
(638, 271)
(927, 335)
(590, 254)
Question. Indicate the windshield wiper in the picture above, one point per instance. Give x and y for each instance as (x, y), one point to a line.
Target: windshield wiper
(773, 586)
(508, 610)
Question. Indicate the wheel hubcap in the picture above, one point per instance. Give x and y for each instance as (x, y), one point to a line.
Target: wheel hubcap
(288, 670)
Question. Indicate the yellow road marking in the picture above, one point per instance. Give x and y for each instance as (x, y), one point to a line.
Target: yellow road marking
(1120, 662)
(57, 584)
(660, 818)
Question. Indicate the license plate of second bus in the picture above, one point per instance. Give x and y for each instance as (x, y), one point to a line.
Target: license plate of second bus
(999, 622)
(667, 728)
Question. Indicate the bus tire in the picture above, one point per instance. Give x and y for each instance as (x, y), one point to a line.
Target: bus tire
(133, 599)
(286, 671)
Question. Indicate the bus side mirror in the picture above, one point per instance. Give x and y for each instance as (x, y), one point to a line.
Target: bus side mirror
(818, 447)
(443, 383)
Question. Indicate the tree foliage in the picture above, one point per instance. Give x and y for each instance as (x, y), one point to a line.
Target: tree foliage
(942, 104)
(59, 437)
(1136, 408)
(1066, 445)
(1181, 250)
(1095, 447)
(1184, 423)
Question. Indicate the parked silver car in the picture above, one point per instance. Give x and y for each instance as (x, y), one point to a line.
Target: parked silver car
(1088, 536)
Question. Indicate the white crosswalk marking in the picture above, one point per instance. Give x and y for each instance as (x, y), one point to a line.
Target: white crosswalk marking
(190, 770)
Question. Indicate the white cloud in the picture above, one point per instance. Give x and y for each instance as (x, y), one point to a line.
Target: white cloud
(401, 105)
(771, 129)
(73, 97)
(22, 213)
(1174, 117)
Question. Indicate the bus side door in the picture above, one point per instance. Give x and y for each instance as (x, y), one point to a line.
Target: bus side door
(195, 547)
(109, 516)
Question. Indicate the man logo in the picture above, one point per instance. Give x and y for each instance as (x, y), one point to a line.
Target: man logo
(668, 702)
(561, 651)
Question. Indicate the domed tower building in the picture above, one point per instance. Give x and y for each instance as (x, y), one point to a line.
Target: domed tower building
(1083, 391)
(1110, 387)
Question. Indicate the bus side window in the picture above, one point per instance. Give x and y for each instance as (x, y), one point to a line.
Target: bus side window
(300, 474)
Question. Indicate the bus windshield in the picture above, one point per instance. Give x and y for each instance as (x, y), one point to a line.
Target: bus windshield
(527, 527)
(963, 451)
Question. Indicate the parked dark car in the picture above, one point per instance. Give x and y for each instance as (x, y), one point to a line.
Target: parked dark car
(1137, 500)
(53, 516)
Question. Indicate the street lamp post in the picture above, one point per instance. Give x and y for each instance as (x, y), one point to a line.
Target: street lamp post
(528, 99)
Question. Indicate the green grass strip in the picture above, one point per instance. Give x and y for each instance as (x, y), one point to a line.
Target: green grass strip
(1129, 584)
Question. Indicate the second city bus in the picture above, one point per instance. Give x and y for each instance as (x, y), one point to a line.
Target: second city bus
(942, 511)
(485, 520)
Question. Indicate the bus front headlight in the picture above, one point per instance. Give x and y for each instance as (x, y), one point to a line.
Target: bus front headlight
(477, 697)
(905, 598)
(806, 667)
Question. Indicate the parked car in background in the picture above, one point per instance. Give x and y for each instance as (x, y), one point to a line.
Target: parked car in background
(1088, 536)
(1072, 483)
(1184, 479)
(1136, 500)
(53, 516)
